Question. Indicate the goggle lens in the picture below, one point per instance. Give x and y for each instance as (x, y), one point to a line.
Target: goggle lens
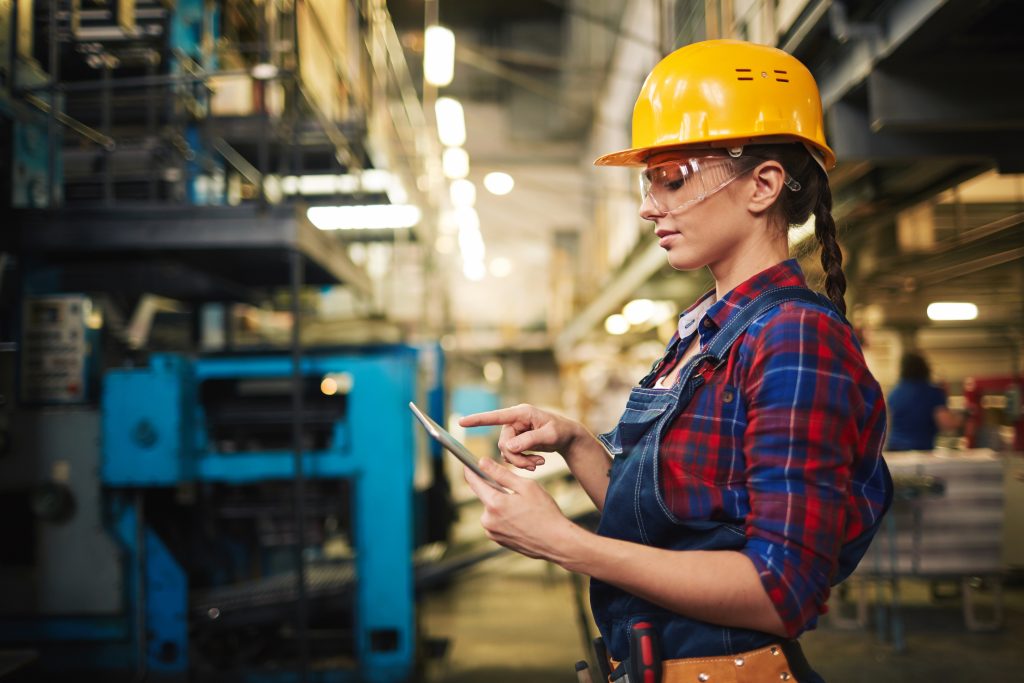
(677, 184)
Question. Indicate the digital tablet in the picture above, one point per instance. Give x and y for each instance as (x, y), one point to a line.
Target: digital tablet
(443, 437)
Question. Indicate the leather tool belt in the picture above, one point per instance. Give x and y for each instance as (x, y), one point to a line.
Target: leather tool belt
(765, 665)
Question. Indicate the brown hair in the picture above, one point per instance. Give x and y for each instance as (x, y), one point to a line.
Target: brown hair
(795, 208)
(913, 366)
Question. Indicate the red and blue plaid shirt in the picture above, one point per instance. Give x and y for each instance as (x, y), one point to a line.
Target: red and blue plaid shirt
(784, 439)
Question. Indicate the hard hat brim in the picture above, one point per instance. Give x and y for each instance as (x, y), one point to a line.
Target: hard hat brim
(638, 156)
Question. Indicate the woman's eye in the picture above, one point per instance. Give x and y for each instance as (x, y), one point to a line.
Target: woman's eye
(673, 185)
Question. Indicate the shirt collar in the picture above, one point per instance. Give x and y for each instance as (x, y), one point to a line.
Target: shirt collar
(689, 318)
(714, 314)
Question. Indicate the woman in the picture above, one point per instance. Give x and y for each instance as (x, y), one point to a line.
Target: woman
(747, 474)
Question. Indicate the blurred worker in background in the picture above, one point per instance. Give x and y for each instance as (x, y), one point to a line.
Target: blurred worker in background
(917, 408)
(747, 475)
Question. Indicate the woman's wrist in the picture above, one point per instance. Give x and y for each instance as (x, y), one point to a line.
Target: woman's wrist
(572, 546)
(573, 445)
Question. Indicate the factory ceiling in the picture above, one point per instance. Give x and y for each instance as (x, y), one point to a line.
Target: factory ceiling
(919, 97)
(921, 107)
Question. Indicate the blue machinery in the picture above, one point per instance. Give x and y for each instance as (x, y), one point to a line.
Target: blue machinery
(156, 434)
(210, 431)
(149, 525)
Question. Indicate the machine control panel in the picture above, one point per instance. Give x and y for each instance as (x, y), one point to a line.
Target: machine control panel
(56, 346)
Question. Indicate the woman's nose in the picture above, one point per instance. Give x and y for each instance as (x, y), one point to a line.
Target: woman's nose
(649, 210)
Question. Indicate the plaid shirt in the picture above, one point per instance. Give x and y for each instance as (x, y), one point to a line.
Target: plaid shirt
(784, 440)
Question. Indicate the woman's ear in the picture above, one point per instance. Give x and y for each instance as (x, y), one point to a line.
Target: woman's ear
(768, 182)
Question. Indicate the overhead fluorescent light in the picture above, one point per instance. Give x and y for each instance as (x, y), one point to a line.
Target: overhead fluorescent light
(616, 324)
(371, 180)
(375, 180)
(455, 163)
(438, 55)
(264, 71)
(451, 122)
(639, 311)
(462, 193)
(369, 217)
(474, 270)
(499, 183)
(952, 310)
(347, 183)
(471, 243)
(318, 184)
(446, 222)
(466, 218)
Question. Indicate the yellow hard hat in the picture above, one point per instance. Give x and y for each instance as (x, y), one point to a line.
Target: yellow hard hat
(725, 93)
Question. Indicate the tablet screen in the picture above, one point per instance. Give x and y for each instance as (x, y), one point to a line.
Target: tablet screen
(453, 446)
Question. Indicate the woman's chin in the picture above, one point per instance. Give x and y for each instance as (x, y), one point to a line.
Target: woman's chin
(684, 261)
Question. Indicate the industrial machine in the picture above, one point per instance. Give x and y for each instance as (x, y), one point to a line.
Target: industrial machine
(169, 548)
(171, 513)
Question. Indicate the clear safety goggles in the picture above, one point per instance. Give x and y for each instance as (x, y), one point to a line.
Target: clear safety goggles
(676, 185)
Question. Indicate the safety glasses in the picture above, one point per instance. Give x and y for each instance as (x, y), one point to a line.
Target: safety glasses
(676, 185)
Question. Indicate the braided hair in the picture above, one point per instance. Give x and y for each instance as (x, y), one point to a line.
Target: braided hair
(814, 197)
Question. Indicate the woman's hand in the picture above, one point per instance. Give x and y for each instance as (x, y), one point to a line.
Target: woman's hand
(527, 520)
(527, 428)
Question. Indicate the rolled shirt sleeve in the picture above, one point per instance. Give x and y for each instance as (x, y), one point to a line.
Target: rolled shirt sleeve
(803, 408)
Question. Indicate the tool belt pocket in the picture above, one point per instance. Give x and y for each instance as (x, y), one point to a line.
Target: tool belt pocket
(768, 664)
(765, 665)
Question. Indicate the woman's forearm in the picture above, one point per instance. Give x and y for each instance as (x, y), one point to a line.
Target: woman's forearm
(589, 462)
(717, 586)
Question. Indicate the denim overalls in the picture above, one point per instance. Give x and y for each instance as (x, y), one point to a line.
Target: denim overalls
(634, 509)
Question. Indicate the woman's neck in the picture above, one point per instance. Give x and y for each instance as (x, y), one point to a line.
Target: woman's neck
(747, 262)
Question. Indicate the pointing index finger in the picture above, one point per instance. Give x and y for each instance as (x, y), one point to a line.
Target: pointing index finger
(491, 417)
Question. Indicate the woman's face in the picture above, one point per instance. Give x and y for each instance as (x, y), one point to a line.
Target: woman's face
(694, 231)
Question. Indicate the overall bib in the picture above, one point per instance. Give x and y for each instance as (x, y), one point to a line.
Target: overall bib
(635, 511)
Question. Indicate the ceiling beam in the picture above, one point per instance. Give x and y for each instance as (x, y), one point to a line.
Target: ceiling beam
(854, 139)
(923, 98)
(901, 20)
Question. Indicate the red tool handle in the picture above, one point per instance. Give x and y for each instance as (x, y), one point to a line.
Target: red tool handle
(644, 654)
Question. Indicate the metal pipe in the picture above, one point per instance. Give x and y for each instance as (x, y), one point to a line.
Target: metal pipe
(151, 121)
(237, 161)
(263, 145)
(342, 151)
(51, 124)
(106, 122)
(75, 125)
(141, 641)
(298, 481)
(145, 81)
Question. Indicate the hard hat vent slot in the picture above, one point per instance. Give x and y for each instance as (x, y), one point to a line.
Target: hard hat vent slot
(743, 75)
(783, 73)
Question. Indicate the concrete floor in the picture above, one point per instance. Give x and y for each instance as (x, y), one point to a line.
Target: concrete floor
(515, 619)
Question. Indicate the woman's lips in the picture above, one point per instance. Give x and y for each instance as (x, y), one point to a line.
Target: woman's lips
(665, 237)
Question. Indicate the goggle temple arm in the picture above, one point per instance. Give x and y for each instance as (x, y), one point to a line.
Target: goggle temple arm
(792, 183)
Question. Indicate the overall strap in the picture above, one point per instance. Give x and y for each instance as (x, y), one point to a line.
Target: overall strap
(719, 346)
